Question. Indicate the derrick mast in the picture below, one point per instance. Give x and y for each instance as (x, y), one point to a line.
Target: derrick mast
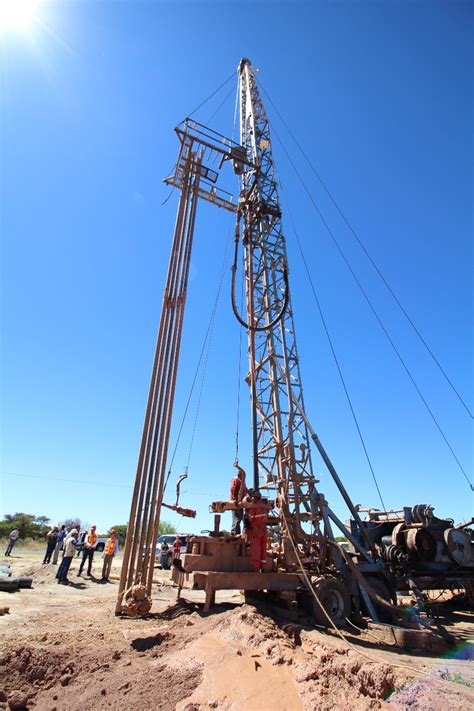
(281, 451)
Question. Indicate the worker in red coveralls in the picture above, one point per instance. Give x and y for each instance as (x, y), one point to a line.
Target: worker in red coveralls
(255, 532)
(176, 547)
(237, 493)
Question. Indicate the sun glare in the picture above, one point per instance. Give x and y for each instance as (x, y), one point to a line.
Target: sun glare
(17, 15)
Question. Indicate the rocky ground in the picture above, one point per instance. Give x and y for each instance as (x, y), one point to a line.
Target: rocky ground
(62, 649)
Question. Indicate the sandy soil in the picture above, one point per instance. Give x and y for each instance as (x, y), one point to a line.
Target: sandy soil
(63, 649)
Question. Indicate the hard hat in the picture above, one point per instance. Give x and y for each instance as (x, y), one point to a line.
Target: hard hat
(93, 526)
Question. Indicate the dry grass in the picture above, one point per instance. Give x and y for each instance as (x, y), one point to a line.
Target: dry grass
(29, 544)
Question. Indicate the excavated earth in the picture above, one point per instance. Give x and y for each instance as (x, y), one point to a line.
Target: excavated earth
(63, 649)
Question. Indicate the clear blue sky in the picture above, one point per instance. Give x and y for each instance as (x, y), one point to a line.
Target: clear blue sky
(381, 96)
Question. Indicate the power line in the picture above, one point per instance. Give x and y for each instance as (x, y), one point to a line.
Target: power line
(367, 254)
(69, 481)
(372, 308)
(336, 360)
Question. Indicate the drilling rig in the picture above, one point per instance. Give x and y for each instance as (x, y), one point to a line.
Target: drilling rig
(309, 569)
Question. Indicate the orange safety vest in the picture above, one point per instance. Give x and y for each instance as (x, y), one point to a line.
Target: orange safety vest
(91, 538)
(110, 546)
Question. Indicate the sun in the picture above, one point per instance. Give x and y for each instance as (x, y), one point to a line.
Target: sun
(17, 15)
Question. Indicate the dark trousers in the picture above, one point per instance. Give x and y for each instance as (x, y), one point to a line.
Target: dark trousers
(87, 554)
(49, 552)
(64, 568)
(11, 543)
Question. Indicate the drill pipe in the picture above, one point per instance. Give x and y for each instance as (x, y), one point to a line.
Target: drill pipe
(142, 533)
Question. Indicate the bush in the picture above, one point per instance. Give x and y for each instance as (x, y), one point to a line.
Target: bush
(164, 528)
(30, 526)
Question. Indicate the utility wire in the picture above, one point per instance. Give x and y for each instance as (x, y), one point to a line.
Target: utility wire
(372, 308)
(211, 95)
(336, 360)
(367, 254)
(69, 481)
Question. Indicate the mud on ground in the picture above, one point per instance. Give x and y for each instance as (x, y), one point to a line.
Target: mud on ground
(63, 649)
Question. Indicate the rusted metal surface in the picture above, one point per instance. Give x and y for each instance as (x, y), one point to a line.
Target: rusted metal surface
(189, 513)
(221, 506)
(211, 581)
(218, 553)
(200, 580)
(460, 546)
(391, 548)
(414, 640)
(140, 545)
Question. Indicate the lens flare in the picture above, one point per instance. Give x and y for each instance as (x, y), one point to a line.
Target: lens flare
(17, 15)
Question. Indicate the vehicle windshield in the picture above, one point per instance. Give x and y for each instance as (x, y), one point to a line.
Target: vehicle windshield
(166, 539)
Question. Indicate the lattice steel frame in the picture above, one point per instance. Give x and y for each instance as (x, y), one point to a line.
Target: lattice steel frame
(282, 444)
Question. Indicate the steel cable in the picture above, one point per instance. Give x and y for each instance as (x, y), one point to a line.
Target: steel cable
(207, 337)
(336, 360)
(227, 96)
(211, 95)
(372, 308)
(367, 254)
(238, 380)
(315, 595)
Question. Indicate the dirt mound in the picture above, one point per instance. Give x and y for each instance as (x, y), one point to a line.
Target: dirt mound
(322, 676)
(24, 667)
(63, 647)
(333, 676)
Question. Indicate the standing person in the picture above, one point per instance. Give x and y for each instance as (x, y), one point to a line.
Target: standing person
(90, 542)
(110, 550)
(237, 493)
(12, 539)
(59, 543)
(176, 547)
(51, 539)
(164, 556)
(255, 532)
(69, 550)
(80, 541)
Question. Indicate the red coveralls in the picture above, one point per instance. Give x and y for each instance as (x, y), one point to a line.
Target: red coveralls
(258, 519)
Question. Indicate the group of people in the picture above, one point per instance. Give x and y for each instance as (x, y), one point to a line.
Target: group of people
(85, 542)
(71, 543)
(254, 518)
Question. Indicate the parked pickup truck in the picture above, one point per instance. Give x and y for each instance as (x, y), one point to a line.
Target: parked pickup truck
(170, 539)
(101, 541)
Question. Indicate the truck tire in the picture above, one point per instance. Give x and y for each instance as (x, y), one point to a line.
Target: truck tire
(335, 599)
(25, 581)
(8, 584)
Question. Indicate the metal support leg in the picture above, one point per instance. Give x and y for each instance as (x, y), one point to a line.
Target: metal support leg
(210, 599)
